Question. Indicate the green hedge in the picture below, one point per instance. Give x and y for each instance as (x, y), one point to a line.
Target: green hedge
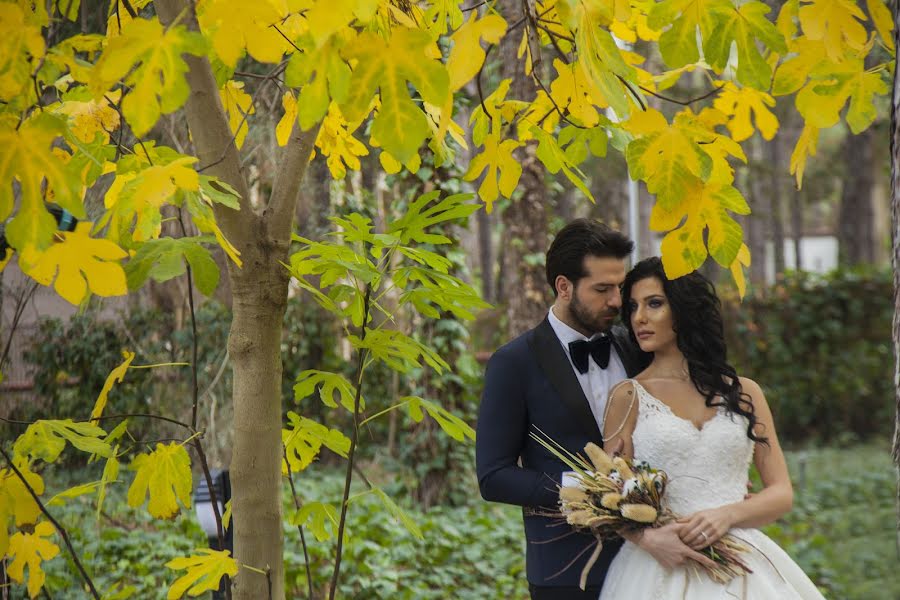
(820, 346)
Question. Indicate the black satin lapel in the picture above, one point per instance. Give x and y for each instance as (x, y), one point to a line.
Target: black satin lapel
(559, 371)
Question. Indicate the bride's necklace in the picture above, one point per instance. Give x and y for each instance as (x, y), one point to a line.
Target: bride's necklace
(682, 375)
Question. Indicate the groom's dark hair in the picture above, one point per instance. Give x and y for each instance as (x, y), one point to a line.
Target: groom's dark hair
(578, 239)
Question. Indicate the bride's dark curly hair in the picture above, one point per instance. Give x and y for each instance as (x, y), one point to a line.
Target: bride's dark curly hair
(697, 320)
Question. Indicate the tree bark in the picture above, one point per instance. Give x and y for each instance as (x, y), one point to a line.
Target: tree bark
(486, 254)
(525, 220)
(753, 223)
(797, 227)
(895, 253)
(776, 203)
(259, 292)
(856, 226)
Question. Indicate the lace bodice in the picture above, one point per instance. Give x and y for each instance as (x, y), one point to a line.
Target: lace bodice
(707, 467)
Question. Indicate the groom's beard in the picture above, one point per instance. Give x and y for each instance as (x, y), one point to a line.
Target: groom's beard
(588, 321)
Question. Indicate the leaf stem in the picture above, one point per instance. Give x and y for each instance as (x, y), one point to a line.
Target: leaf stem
(299, 526)
(353, 443)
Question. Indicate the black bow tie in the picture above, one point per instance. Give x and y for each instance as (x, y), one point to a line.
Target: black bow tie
(597, 347)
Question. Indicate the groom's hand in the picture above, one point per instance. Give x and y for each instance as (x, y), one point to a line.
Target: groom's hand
(665, 545)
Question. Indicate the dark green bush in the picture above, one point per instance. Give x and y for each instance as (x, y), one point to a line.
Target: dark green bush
(72, 359)
(821, 349)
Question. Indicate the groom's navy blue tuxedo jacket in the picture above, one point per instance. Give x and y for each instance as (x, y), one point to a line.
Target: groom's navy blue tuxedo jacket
(530, 384)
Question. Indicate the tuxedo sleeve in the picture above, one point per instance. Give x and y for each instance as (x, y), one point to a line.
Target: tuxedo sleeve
(502, 432)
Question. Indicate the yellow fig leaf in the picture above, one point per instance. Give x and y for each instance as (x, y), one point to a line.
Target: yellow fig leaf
(792, 74)
(110, 475)
(141, 195)
(835, 22)
(236, 25)
(88, 118)
(883, 21)
(336, 142)
(738, 103)
(604, 65)
(572, 91)
(286, 124)
(28, 159)
(116, 375)
(322, 75)
(238, 105)
(15, 500)
(743, 26)
(703, 207)
(46, 439)
(467, 54)
(831, 85)
(718, 147)
(164, 475)
(204, 572)
(22, 48)
(678, 43)
(665, 156)
(741, 262)
(327, 18)
(31, 550)
(442, 15)
(79, 264)
(806, 147)
(305, 439)
(388, 68)
(157, 83)
(501, 169)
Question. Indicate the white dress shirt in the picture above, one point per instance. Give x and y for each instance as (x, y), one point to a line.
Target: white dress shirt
(597, 382)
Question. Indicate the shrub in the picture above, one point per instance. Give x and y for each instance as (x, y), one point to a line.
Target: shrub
(820, 346)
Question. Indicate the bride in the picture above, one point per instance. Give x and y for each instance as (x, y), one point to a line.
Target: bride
(690, 415)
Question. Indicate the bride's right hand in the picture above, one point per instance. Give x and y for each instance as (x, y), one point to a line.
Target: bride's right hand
(665, 545)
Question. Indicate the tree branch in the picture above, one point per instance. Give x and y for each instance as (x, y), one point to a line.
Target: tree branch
(279, 214)
(210, 131)
(353, 443)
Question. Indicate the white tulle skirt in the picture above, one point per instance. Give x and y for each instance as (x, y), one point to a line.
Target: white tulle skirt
(635, 574)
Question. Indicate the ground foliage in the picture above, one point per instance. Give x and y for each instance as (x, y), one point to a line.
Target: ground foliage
(843, 498)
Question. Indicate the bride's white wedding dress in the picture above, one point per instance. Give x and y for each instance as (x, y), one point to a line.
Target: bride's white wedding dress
(707, 468)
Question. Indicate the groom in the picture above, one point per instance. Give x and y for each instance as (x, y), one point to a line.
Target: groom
(557, 378)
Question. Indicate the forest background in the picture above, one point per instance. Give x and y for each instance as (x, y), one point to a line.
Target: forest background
(373, 492)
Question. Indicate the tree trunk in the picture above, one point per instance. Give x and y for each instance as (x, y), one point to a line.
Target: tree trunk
(797, 227)
(895, 253)
(254, 344)
(856, 226)
(753, 223)
(259, 291)
(486, 254)
(776, 203)
(525, 220)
